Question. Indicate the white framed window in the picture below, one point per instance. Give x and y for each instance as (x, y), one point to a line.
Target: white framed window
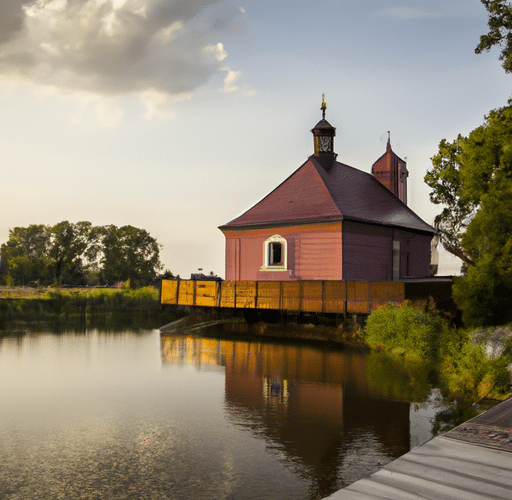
(275, 254)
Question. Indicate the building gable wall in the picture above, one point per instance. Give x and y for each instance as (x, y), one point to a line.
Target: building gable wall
(314, 252)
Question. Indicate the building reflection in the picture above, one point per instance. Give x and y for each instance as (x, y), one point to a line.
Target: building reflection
(313, 406)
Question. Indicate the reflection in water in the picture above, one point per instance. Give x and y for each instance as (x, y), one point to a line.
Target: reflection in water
(132, 415)
(316, 409)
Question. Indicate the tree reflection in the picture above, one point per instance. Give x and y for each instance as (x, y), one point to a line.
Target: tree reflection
(397, 377)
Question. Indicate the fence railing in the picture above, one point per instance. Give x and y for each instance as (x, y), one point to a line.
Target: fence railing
(340, 297)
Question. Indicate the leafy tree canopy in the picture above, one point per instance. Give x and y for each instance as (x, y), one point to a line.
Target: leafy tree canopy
(500, 27)
(472, 177)
(78, 254)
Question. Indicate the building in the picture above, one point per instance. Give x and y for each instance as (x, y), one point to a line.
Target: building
(330, 221)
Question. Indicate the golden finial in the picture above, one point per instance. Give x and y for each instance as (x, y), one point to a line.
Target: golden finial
(324, 106)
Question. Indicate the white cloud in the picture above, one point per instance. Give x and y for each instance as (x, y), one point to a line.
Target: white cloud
(216, 52)
(230, 80)
(160, 104)
(103, 110)
(113, 47)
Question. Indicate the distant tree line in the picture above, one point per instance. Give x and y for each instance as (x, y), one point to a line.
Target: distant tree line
(79, 254)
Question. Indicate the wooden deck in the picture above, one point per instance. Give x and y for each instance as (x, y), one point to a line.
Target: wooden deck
(335, 297)
(471, 462)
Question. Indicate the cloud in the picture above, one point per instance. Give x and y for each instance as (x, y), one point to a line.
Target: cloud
(230, 80)
(160, 104)
(161, 49)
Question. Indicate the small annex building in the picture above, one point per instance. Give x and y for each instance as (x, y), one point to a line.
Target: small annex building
(330, 221)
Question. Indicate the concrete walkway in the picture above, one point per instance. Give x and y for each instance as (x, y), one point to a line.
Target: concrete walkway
(473, 461)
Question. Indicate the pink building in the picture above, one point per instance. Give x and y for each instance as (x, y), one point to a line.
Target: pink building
(330, 221)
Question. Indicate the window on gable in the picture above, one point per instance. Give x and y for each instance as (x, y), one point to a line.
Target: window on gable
(275, 254)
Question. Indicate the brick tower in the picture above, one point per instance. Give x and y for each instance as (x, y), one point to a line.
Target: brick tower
(391, 171)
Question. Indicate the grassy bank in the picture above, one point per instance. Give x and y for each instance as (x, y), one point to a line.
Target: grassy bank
(75, 306)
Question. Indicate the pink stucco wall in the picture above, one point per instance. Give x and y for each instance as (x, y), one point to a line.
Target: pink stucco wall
(314, 252)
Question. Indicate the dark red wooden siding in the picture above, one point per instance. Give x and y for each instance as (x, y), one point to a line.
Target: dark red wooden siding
(367, 252)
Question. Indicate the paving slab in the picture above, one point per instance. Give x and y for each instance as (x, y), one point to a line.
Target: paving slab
(473, 461)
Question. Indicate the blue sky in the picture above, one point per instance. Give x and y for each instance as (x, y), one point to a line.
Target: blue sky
(176, 116)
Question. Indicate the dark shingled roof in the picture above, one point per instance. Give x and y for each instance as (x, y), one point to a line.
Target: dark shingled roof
(315, 194)
(323, 124)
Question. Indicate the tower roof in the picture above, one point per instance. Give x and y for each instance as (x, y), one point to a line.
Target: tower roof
(323, 124)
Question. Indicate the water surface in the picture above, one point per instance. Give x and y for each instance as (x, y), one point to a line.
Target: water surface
(137, 415)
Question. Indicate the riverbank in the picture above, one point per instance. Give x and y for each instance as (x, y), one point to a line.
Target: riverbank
(77, 307)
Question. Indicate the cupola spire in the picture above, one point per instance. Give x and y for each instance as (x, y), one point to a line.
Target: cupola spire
(323, 107)
(323, 137)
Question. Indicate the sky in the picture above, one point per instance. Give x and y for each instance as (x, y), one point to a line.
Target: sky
(176, 116)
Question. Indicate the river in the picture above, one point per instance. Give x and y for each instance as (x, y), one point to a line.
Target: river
(132, 414)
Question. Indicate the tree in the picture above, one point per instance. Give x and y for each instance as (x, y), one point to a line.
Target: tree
(74, 248)
(500, 27)
(445, 180)
(80, 253)
(25, 255)
(131, 254)
(473, 177)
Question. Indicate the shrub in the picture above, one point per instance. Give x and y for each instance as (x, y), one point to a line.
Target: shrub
(407, 329)
(467, 373)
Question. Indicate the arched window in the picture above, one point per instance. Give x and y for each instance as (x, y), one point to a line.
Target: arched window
(275, 252)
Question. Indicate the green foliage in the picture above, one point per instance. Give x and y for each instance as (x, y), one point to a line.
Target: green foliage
(73, 247)
(25, 255)
(445, 180)
(467, 374)
(472, 177)
(407, 329)
(129, 254)
(470, 365)
(101, 300)
(500, 31)
(79, 254)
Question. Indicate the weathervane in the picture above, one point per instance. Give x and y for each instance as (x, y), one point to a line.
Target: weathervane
(324, 106)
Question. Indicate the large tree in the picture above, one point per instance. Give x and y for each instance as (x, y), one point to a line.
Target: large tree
(131, 254)
(25, 255)
(500, 31)
(445, 181)
(74, 247)
(473, 177)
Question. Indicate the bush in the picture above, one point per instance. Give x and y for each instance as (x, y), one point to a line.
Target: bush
(407, 329)
(468, 374)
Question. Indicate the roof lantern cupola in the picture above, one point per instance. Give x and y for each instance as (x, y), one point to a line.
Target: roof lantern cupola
(323, 137)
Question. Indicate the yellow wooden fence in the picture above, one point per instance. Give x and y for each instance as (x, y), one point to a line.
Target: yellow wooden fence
(340, 297)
